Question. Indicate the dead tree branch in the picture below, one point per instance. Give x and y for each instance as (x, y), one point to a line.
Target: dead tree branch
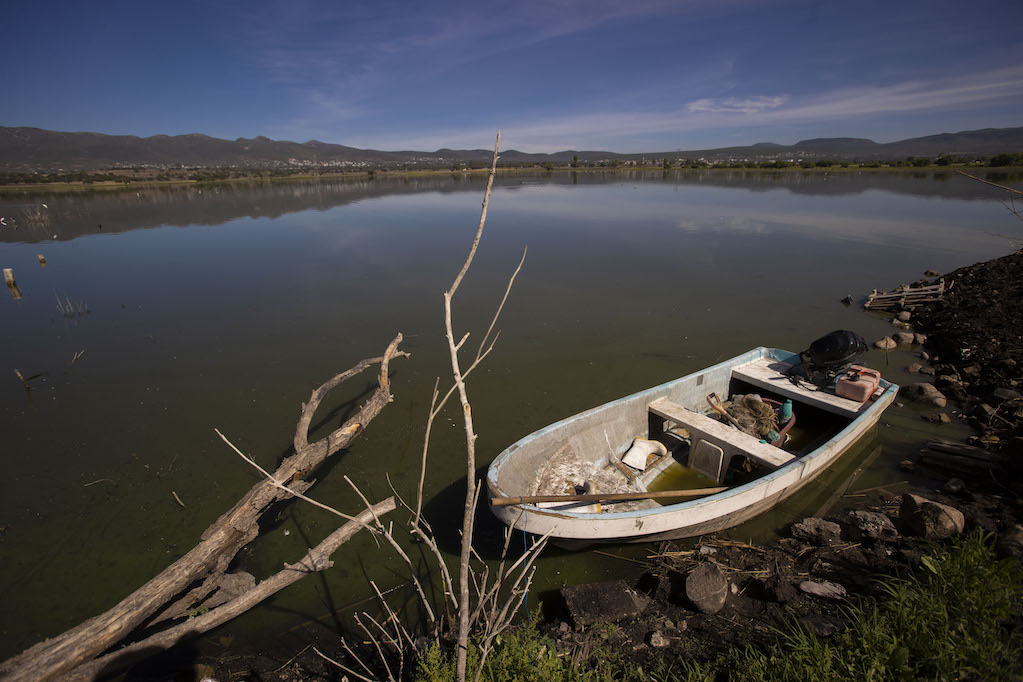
(317, 559)
(207, 562)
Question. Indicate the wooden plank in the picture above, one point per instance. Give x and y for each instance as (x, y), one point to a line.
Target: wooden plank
(605, 497)
(722, 435)
(771, 375)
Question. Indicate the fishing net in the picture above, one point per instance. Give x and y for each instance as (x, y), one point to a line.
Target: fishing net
(755, 417)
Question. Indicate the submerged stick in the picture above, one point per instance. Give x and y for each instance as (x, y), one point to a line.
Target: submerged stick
(604, 497)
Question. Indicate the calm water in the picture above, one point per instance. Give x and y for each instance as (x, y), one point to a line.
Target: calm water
(223, 307)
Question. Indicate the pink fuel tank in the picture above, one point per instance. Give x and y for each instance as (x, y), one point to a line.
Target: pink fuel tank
(858, 384)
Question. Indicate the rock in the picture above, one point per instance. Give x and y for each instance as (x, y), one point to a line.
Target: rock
(817, 531)
(707, 588)
(924, 355)
(924, 393)
(778, 589)
(929, 371)
(887, 343)
(954, 486)
(605, 601)
(848, 300)
(904, 316)
(984, 412)
(827, 590)
(930, 520)
(901, 325)
(706, 550)
(937, 418)
(564, 627)
(1010, 542)
(1003, 394)
(972, 371)
(734, 588)
(657, 640)
(200, 672)
(920, 338)
(903, 338)
(946, 380)
(907, 465)
(931, 273)
(872, 526)
(822, 625)
(914, 368)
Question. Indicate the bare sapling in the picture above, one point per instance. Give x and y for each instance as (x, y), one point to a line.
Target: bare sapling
(485, 601)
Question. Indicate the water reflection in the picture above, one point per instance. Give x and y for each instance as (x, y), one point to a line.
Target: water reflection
(71, 215)
(222, 306)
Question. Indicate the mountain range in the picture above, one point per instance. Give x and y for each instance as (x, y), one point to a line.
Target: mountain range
(34, 149)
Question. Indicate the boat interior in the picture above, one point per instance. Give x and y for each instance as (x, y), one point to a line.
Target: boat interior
(687, 443)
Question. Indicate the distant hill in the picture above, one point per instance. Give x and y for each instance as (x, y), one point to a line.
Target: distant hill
(35, 149)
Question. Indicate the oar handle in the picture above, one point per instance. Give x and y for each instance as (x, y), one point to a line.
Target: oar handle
(604, 497)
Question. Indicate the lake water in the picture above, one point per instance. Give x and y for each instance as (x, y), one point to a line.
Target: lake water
(224, 306)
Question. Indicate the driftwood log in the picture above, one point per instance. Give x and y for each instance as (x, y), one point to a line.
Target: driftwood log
(963, 460)
(203, 568)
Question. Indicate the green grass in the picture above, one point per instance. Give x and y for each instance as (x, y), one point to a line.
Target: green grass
(948, 621)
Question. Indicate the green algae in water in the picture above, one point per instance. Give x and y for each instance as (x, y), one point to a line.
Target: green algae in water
(678, 477)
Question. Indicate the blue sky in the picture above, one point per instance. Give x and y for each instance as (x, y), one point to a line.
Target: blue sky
(627, 75)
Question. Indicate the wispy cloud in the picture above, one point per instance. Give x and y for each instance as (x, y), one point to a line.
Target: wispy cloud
(750, 105)
(587, 131)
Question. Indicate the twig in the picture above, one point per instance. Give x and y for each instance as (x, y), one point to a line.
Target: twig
(100, 480)
(277, 484)
(347, 670)
(178, 499)
(293, 658)
(993, 184)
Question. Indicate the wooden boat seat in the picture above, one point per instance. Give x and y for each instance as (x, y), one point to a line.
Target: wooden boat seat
(771, 375)
(731, 441)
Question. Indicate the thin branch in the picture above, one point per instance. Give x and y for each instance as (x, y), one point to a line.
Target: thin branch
(993, 184)
(283, 487)
(347, 670)
(500, 307)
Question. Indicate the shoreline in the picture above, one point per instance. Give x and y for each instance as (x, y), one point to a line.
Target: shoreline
(373, 174)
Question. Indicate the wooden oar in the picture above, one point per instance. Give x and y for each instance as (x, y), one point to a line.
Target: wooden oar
(604, 497)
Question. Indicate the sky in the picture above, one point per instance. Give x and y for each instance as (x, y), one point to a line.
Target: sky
(615, 75)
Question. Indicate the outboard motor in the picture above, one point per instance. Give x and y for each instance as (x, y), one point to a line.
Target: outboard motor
(831, 355)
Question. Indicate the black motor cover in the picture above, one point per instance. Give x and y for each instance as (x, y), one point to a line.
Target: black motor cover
(834, 351)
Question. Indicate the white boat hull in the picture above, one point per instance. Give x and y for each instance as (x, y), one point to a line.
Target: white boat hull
(622, 418)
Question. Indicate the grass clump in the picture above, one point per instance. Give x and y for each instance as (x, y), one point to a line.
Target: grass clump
(523, 654)
(947, 622)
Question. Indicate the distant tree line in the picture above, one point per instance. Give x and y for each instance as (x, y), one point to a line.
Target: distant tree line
(218, 174)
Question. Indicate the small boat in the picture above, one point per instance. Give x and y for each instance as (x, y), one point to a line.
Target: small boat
(691, 474)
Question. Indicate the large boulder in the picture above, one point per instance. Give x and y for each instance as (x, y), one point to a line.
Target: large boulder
(707, 588)
(929, 519)
(868, 525)
(817, 531)
(924, 393)
(605, 601)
